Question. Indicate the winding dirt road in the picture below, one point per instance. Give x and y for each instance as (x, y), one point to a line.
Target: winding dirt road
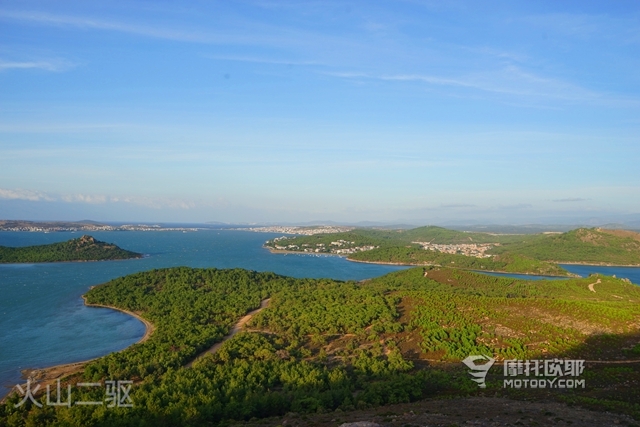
(236, 328)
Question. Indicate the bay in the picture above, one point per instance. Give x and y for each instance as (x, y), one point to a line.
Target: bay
(520, 276)
(43, 321)
(631, 273)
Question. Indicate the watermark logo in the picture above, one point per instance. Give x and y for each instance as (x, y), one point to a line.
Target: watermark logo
(116, 395)
(550, 373)
(479, 371)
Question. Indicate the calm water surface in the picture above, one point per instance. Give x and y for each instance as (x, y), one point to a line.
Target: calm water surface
(631, 273)
(43, 321)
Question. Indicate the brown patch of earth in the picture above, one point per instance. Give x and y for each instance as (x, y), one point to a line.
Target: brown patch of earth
(472, 411)
(621, 233)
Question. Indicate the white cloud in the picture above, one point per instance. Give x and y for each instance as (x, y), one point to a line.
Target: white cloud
(95, 199)
(49, 65)
(20, 194)
(84, 198)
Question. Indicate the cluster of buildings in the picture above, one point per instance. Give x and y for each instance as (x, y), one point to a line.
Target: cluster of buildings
(52, 228)
(49, 227)
(306, 231)
(477, 250)
(279, 243)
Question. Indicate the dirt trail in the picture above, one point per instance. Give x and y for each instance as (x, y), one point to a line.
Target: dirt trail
(236, 328)
(594, 283)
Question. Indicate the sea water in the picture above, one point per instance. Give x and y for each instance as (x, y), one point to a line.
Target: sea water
(43, 321)
(631, 273)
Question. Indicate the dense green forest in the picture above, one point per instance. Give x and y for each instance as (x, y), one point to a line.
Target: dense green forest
(84, 248)
(325, 345)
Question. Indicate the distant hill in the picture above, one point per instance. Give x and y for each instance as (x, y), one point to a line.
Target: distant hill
(584, 245)
(85, 248)
(526, 253)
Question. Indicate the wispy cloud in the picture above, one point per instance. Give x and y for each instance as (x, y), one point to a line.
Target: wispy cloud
(41, 65)
(261, 60)
(509, 80)
(247, 33)
(570, 199)
(84, 198)
(515, 206)
(91, 23)
(20, 194)
(155, 203)
(96, 199)
(458, 205)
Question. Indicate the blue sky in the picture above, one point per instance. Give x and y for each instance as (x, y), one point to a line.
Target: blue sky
(291, 111)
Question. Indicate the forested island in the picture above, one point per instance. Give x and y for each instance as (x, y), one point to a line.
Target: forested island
(330, 346)
(84, 248)
(513, 253)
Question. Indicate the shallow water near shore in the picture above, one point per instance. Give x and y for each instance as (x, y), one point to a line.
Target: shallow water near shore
(43, 321)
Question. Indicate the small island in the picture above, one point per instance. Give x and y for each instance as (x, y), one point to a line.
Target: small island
(85, 248)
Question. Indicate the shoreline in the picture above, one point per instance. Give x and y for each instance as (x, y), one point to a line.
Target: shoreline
(47, 376)
(466, 269)
(593, 264)
(280, 251)
(149, 327)
(142, 256)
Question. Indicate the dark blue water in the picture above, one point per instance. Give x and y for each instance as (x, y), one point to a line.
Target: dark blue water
(43, 321)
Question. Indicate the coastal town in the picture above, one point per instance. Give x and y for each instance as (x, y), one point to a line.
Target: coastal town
(339, 247)
(477, 250)
(50, 227)
(304, 231)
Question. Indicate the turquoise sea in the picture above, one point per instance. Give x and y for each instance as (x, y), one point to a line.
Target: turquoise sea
(43, 321)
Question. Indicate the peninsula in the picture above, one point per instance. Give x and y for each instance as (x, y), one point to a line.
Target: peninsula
(512, 253)
(85, 248)
(323, 346)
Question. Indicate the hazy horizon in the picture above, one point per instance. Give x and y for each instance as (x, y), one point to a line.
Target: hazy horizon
(410, 112)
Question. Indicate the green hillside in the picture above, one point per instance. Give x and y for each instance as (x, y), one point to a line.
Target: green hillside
(85, 248)
(415, 255)
(590, 245)
(329, 346)
(390, 238)
(533, 253)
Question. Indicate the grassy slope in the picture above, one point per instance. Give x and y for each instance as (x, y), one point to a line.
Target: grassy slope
(85, 248)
